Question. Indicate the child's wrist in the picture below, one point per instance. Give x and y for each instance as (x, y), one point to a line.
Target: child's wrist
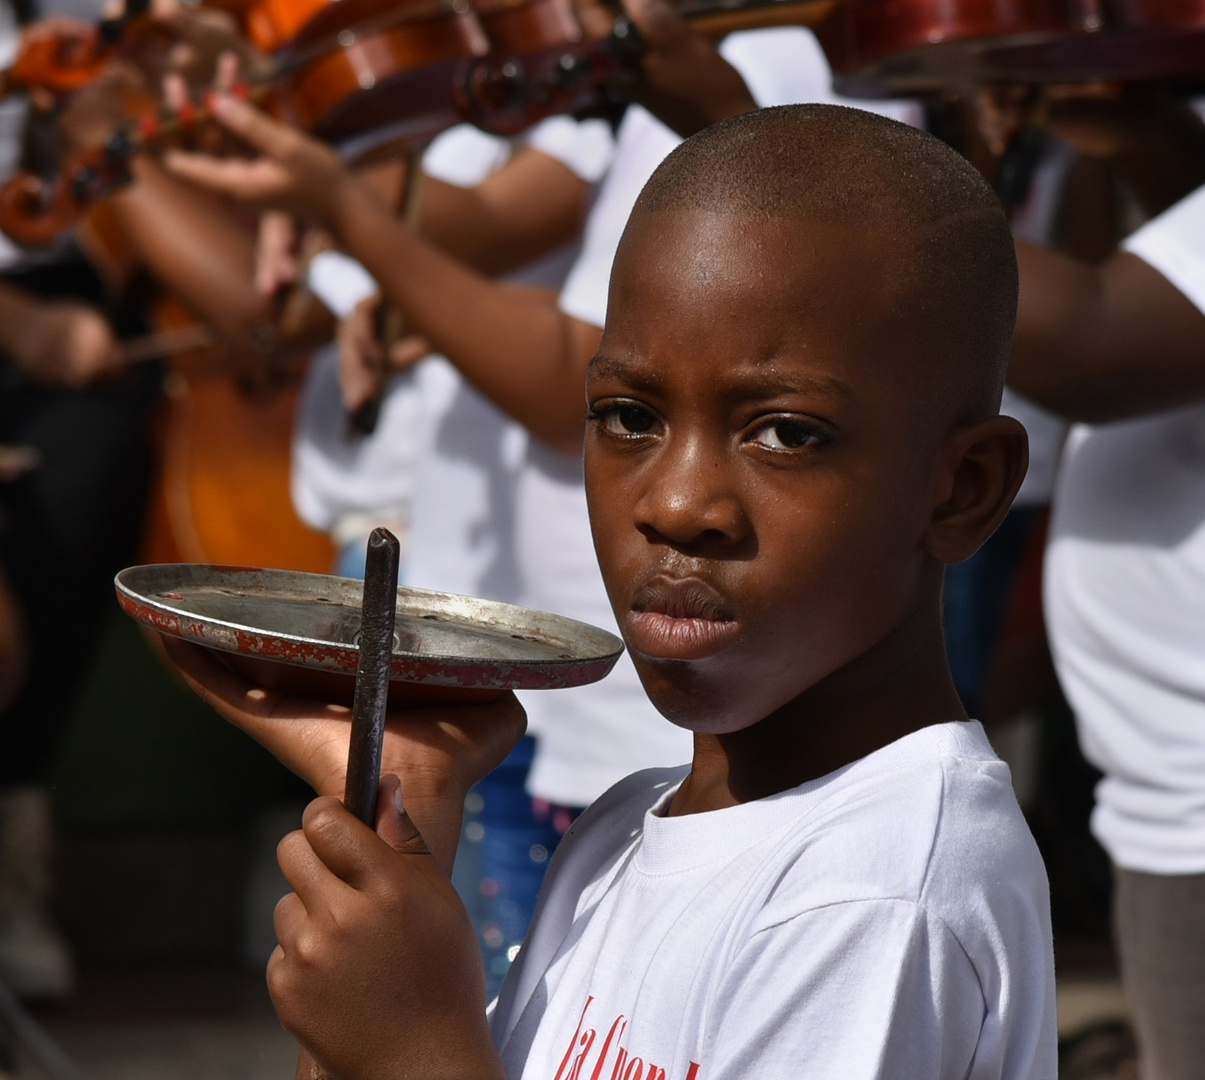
(348, 210)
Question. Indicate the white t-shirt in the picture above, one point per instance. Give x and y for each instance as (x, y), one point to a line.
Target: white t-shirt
(889, 920)
(593, 736)
(463, 536)
(441, 457)
(1125, 600)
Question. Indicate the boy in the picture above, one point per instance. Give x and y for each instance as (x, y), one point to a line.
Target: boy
(792, 429)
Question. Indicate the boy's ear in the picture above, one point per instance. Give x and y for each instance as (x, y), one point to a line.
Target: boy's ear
(982, 467)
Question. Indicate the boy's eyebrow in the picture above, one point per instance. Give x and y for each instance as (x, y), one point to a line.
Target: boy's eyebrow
(791, 384)
(606, 366)
(756, 386)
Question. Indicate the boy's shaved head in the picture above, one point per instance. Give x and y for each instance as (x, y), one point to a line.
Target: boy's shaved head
(938, 229)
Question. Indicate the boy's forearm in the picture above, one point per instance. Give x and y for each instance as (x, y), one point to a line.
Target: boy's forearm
(194, 246)
(515, 346)
(532, 206)
(1096, 344)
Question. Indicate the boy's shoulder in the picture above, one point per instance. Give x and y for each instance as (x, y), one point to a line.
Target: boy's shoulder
(912, 866)
(930, 819)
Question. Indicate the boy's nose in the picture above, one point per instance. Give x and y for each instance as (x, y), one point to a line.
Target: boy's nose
(693, 499)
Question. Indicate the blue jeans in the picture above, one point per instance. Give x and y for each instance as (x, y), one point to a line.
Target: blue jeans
(505, 846)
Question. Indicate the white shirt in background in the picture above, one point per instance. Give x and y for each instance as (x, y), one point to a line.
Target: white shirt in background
(442, 459)
(1125, 599)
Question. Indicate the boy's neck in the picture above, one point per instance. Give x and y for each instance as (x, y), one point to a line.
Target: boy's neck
(900, 686)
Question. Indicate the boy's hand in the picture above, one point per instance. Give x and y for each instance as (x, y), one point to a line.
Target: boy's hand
(199, 37)
(277, 264)
(363, 363)
(682, 80)
(438, 752)
(294, 173)
(64, 343)
(377, 973)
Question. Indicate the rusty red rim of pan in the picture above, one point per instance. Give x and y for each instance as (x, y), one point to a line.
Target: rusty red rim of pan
(311, 623)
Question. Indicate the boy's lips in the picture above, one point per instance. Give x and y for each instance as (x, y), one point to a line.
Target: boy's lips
(679, 619)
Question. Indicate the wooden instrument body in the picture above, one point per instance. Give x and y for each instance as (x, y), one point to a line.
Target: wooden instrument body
(367, 74)
(881, 48)
(403, 73)
(60, 63)
(390, 77)
(222, 489)
(222, 494)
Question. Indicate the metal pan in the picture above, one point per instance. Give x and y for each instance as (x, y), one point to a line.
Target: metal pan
(297, 633)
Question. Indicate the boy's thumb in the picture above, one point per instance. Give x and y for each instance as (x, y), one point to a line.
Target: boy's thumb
(656, 20)
(393, 823)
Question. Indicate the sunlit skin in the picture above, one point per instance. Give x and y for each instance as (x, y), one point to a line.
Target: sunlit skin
(775, 485)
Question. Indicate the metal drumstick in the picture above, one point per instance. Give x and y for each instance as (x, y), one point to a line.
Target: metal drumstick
(377, 612)
(378, 609)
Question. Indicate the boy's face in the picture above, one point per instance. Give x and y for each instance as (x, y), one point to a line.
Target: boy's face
(760, 463)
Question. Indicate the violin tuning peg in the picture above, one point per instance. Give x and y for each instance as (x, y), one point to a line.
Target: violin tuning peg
(573, 69)
(119, 145)
(626, 38)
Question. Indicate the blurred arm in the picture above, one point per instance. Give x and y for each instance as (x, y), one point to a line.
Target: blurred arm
(1107, 342)
(533, 205)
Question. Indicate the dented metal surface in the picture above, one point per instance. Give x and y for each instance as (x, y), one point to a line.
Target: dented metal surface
(311, 622)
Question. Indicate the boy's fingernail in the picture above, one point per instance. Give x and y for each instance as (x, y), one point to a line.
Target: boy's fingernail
(397, 798)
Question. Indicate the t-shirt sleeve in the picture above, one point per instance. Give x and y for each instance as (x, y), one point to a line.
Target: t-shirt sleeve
(1174, 244)
(464, 155)
(886, 993)
(584, 147)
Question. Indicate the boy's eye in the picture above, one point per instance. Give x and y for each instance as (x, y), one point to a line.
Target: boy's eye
(786, 434)
(623, 418)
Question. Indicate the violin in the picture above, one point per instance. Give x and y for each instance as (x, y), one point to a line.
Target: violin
(918, 48)
(62, 55)
(373, 76)
(60, 62)
(364, 74)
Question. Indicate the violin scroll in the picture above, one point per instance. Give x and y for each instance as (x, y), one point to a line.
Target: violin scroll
(60, 55)
(35, 213)
(62, 62)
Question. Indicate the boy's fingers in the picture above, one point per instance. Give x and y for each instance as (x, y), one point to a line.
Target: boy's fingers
(303, 868)
(226, 75)
(251, 125)
(228, 177)
(254, 709)
(208, 679)
(393, 823)
(175, 91)
(595, 16)
(344, 844)
(216, 685)
(655, 19)
(288, 915)
(348, 848)
(408, 351)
